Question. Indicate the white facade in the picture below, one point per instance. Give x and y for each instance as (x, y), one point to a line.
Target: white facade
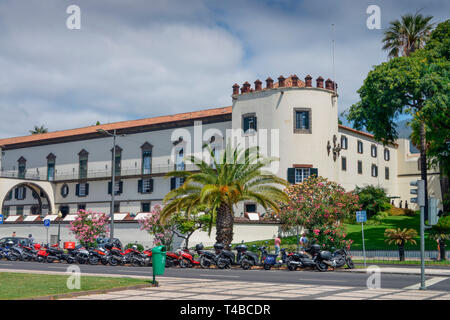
(301, 119)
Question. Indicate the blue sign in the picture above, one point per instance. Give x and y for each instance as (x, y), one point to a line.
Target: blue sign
(1, 219)
(47, 222)
(361, 216)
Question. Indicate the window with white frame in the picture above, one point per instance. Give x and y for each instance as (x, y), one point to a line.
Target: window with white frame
(301, 174)
(147, 185)
(82, 190)
(374, 170)
(360, 146)
(344, 142)
(373, 151)
(387, 154)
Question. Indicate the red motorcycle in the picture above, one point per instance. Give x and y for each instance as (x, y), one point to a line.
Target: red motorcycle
(172, 258)
(187, 259)
(130, 255)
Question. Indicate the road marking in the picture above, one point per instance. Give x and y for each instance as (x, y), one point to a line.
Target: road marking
(325, 280)
(217, 275)
(428, 283)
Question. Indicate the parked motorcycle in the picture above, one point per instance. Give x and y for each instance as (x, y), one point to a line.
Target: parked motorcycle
(130, 255)
(252, 259)
(208, 258)
(187, 259)
(99, 254)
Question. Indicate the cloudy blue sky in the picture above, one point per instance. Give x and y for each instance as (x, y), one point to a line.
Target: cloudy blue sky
(141, 58)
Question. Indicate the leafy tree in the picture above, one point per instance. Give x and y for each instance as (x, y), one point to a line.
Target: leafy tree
(406, 35)
(372, 199)
(238, 176)
(39, 130)
(320, 206)
(400, 237)
(185, 226)
(404, 85)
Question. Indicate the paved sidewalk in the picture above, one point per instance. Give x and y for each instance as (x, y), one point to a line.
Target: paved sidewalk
(201, 289)
(444, 272)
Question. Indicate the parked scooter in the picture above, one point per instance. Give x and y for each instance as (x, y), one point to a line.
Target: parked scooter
(252, 259)
(208, 258)
(271, 260)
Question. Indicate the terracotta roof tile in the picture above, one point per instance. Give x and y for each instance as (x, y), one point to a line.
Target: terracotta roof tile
(116, 125)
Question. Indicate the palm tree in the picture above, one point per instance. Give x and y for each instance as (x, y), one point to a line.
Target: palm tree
(39, 130)
(400, 238)
(406, 35)
(403, 37)
(238, 176)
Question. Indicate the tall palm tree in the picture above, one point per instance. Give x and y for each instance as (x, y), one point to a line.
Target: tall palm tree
(238, 176)
(38, 130)
(406, 35)
(402, 38)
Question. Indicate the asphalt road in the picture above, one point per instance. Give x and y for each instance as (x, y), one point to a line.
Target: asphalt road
(331, 278)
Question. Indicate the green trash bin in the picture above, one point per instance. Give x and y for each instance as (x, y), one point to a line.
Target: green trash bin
(158, 260)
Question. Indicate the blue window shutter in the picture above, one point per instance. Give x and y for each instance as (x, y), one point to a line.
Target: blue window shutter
(77, 191)
(120, 186)
(151, 185)
(172, 183)
(87, 189)
(109, 187)
(315, 171)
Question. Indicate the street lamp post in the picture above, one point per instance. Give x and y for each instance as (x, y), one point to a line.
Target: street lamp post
(113, 181)
(59, 228)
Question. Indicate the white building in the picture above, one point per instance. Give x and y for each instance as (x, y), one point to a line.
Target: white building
(299, 121)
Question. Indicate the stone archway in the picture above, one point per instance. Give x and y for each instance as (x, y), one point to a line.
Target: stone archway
(44, 187)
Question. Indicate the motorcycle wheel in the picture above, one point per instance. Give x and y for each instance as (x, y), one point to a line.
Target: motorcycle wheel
(321, 266)
(350, 263)
(70, 260)
(49, 260)
(136, 262)
(104, 262)
(40, 259)
(267, 266)
(93, 260)
(246, 265)
(82, 258)
(113, 261)
(205, 263)
(184, 263)
(26, 257)
(291, 267)
(222, 263)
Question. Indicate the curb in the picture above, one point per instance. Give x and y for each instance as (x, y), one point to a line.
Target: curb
(427, 273)
(89, 292)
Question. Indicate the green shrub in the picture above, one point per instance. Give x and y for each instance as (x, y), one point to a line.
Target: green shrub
(372, 199)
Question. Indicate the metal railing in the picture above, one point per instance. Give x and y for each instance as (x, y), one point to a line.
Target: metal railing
(93, 174)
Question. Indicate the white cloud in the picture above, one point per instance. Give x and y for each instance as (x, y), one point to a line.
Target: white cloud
(139, 59)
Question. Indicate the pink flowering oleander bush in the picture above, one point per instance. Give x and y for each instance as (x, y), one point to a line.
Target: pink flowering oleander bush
(88, 226)
(320, 206)
(162, 232)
